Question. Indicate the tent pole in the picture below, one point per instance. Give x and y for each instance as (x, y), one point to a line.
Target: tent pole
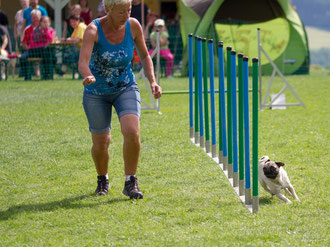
(261, 49)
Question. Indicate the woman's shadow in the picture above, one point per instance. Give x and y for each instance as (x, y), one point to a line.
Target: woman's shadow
(67, 203)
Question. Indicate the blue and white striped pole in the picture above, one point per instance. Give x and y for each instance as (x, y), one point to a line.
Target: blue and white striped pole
(211, 74)
(248, 199)
(200, 91)
(223, 154)
(234, 117)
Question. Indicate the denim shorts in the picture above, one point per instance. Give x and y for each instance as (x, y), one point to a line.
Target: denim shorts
(98, 108)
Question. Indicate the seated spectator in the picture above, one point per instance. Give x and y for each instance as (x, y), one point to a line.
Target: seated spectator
(86, 12)
(163, 43)
(43, 35)
(67, 29)
(72, 56)
(5, 46)
(5, 42)
(26, 43)
(19, 23)
(78, 31)
(34, 4)
(151, 18)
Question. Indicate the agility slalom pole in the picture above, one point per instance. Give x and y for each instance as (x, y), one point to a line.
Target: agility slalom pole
(229, 115)
(212, 97)
(223, 154)
(206, 97)
(246, 131)
(240, 126)
(234, 117)
(196, 93)
(191, 80)
(187, 91)
(255, 109)
(200, 92)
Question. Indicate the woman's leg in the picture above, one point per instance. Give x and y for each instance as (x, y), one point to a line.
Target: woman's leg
(98, 112)
(130, 128)
(100, 152)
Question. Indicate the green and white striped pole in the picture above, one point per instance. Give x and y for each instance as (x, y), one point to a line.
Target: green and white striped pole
(255, 192)
(229, 116)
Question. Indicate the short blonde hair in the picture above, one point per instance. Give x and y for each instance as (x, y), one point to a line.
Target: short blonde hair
(36, 12)
(109, 4)
(76, 6)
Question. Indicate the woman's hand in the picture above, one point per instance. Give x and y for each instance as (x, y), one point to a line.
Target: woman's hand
(156, 90)
(88, 80)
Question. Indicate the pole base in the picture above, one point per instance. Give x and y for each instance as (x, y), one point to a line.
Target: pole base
(235, 179)
(196, 137)
(191, 132)
(214, 151)
(225, 163)
(201, 142)
(220, 157)
(208, 146)
(230, 171)
(248, 200)
(255, 204)
(241, 189)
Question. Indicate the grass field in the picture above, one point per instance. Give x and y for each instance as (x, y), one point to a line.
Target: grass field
(47, 177)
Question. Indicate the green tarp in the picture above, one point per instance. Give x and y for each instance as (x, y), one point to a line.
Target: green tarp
(235, 22)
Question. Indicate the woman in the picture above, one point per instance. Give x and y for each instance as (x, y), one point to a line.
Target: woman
(164, 52)
(75, 10)
(42, 36)
(86, 13)
(19, 23)
(105, 64)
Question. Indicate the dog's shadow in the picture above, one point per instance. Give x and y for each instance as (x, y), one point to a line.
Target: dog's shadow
(265, 200)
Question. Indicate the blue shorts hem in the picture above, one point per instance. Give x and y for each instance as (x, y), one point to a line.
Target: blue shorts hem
(99, 131)
(122, 113)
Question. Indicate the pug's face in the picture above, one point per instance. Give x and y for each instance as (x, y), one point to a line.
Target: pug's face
(263, 160)
(271, 169)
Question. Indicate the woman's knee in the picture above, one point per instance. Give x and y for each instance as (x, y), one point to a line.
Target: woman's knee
(131, 133)
(130, 126)
(101, 141)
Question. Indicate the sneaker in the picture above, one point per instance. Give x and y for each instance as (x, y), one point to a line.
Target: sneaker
(102, 186)
(131, 189)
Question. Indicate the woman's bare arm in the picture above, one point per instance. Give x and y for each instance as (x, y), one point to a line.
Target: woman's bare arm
(90, 37)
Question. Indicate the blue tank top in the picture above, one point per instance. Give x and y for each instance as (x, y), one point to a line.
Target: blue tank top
(111, 64)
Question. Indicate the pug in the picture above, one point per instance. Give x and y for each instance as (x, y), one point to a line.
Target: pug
(273, 178)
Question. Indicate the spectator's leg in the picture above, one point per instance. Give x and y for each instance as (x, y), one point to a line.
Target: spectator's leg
(168, 56)
(25, 66)
(1, 66)
(47, 63)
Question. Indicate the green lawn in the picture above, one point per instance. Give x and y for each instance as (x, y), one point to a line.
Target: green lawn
(47, 177)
